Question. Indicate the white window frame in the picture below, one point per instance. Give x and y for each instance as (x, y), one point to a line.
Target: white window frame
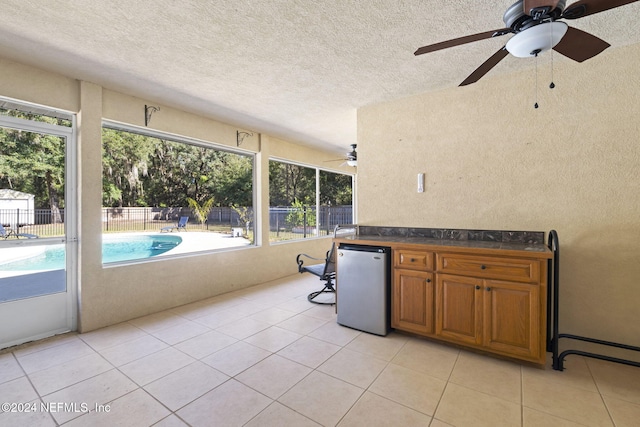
(317, 198)
(125, 127)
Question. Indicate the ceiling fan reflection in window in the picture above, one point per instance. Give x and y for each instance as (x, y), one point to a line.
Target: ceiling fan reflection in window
(536, 28)
(351, 158)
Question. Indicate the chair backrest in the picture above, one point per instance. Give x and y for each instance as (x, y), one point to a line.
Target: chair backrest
(339, 230)
(3, 232)
(330, 264)
(183, 221)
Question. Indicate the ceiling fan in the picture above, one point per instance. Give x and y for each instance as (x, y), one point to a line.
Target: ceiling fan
(351, 158)
(536, 29)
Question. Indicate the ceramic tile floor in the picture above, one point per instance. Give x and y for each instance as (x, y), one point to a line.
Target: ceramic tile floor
(266, 357)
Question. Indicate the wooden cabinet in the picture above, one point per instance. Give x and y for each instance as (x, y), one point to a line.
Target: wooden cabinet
(493, 303)
(412, 291)
(498, 315)
(487, 299)
(513, 269)
(412, 259)
(412, 301)
(511, 322)
(459, 309)
(503, 316)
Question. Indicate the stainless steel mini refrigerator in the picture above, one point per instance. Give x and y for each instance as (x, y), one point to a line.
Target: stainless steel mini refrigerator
(363, 288)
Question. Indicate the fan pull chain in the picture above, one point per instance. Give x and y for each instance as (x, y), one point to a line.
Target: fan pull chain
(552, 85)
(536, 104)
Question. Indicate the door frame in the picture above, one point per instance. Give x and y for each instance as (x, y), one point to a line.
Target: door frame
(47, 315)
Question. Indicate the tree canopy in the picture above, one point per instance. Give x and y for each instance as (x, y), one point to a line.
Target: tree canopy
(291, 184)
(140, 170)
(34, 163)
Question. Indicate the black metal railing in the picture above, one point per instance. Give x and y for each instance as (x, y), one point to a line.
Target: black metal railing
(553, 335)
(290, 222)
(285, 222)
(41, 222)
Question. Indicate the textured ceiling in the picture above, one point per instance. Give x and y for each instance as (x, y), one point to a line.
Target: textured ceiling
(296, 69)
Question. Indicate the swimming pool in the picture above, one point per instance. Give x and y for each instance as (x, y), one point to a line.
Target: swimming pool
(115, 248)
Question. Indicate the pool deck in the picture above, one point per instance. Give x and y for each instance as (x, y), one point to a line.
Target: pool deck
(197, 241)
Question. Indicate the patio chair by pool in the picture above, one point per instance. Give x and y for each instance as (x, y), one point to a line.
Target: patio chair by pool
(326, 272)
(6, 234)
(182, 225)
(326, 269)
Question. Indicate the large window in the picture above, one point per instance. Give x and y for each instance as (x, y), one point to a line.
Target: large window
(173, 195)
(307, 202)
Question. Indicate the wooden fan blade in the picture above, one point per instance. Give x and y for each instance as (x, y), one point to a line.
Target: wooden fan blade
(580, 45)
(462, 40)
(528, 5)
(486, 67)
(589, 7)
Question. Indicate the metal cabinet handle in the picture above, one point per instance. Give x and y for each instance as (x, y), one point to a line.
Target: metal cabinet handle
(488, 289)
(483, 267)
(413, 260)
(477, 286)
(428, 280)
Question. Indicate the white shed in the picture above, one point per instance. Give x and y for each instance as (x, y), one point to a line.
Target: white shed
(16, 208)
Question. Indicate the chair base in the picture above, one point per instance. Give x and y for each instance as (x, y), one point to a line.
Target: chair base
(311, 297)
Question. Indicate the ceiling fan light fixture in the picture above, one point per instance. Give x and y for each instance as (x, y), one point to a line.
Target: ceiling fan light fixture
(536, 39)
(352, 163)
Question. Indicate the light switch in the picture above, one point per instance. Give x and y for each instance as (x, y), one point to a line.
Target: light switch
(420, 183)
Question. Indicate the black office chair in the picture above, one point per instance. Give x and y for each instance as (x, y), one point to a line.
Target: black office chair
(326, 271)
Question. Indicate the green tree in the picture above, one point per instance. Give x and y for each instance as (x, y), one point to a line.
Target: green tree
(301, 215)
(125, 160)
(246, 216)
(234, 180)
(335, 189)
(289, 182)
(201, 212)
(34, 163)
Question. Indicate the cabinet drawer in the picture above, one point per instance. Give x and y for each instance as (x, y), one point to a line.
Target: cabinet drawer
(516, 269)
(413, 260)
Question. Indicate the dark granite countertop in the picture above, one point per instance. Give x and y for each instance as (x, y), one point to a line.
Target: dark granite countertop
(528, 249)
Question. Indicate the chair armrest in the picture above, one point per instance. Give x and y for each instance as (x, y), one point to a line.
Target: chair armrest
(301, 261)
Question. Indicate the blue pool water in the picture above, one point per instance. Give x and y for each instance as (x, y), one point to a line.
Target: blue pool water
(114, 249)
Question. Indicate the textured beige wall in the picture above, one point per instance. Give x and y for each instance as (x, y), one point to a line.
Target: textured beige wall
(118, 293)
(492, 161)
(30, 84)
(114, 294)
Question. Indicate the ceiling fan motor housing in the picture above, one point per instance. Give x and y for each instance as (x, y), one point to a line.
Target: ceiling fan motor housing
(516, 18)
(352, 155)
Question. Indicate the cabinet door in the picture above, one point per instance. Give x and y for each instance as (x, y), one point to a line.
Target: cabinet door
(412, 299)
(459, 308)
(512, 318)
